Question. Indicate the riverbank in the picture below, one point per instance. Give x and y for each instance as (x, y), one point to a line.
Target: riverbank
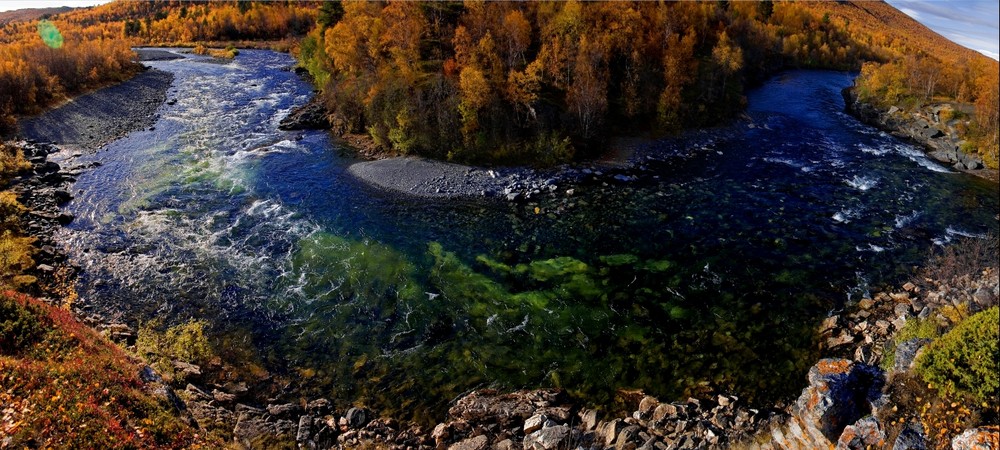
(90, 121)
(933, 127)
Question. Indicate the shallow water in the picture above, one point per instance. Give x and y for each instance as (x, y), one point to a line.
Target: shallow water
(705, 274)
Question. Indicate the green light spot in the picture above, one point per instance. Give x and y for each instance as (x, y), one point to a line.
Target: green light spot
(50, 34)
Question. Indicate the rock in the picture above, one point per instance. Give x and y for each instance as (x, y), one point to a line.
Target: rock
(282, 410)
(222, 397)
(534, 423)
(909, 286)
(911, 438)
(588, 419)
(547, 438)
(505, 444)
(319, 406)
(304, 431)
(907, 352)
(507, 410)
(61, 196)
(984, 297)
(828, 324)
(646, 407)
(65, 218)
(357, 417)
(864, 434)
(475, 443)
(311, 116)
(45, 268)
(441, 433)
(629, 434)
(977, 439)
(186, 371)
(866, 304)
(250, 427)
(608, 431)
(843, 338)
(838, 395)
(664, 411)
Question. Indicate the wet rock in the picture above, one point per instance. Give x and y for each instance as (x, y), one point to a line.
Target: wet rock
(61, 196)
(65, 218)
(311, 116)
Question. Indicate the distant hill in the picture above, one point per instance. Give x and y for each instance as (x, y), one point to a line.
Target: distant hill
(887, 26)
(29, 14)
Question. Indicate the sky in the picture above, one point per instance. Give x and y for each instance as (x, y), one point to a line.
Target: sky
(972, 23)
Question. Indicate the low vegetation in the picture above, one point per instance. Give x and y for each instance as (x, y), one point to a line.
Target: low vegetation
(966, 360)
(65, 386)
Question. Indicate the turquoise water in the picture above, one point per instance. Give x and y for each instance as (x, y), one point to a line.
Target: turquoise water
(706, 274)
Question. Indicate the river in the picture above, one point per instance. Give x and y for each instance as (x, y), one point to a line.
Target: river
(706, 273)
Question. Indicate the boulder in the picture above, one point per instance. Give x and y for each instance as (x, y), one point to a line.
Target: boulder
(839, 393)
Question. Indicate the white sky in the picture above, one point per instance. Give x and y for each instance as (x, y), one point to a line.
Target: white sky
(972, 23)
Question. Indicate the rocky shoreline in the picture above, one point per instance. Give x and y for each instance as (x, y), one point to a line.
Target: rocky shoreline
(932, 127)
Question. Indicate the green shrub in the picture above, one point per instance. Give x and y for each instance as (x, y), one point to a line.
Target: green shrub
(967, 358)
(19, 325)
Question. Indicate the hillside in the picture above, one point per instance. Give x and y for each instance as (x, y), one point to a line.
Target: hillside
(28, 14)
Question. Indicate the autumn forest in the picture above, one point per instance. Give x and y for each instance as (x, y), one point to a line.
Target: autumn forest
(509, 82)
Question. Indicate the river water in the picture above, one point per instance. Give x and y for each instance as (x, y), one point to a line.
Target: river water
(707, 273)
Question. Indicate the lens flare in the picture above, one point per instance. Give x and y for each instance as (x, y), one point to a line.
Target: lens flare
(50, 34)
